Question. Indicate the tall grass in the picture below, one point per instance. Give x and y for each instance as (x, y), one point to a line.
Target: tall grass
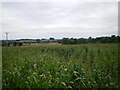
(65, 66)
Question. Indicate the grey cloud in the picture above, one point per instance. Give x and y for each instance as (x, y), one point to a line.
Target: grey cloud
(91, 18)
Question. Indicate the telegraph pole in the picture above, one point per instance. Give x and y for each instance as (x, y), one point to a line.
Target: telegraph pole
(6, 33)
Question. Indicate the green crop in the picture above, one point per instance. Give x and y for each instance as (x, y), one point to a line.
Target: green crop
(61, 66)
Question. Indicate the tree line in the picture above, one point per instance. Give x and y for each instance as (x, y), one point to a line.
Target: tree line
(112, 39)
(8, 43)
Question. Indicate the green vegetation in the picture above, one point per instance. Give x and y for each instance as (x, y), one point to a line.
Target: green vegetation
(68, 41)
(112, 39)
(61, 66)
(11, 43)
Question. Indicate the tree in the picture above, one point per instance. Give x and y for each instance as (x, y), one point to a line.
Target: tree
(81, 40)
(75, 41)
(20, 44)
(90, 40)
(65, 41)
(5, 43)
(52, 38)
(38, 40)
(112, 39)
(14, 43)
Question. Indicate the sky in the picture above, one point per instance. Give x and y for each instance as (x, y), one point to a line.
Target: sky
(45, 19)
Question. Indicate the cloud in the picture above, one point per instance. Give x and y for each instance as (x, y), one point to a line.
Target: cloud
(29, 19)
(60, 1)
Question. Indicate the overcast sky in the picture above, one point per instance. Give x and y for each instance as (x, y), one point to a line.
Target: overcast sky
(59, 19)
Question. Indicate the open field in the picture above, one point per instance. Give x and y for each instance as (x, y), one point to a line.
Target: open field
(60, 66)
(37, 44)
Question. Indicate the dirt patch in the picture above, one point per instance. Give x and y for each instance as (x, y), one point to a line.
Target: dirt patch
(37, 44)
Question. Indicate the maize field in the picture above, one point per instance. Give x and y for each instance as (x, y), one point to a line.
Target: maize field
(60, 66)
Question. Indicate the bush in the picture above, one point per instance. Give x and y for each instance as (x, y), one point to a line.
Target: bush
(20, 44)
